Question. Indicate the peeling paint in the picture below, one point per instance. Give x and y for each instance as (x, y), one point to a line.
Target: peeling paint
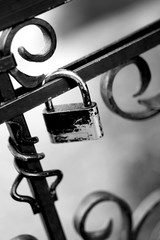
(73, 122)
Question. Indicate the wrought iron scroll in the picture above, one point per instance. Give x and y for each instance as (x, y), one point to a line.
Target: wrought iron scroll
(88, 203)
(142, 224)
(50, 46)
(21, 144)
(14, 103)
(88, 67)
(145, 78)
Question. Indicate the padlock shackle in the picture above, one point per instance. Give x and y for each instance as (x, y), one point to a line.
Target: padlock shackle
(60, 73)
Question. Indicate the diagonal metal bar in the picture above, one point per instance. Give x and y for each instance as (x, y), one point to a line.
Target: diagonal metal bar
(13, 11)
(87, 67)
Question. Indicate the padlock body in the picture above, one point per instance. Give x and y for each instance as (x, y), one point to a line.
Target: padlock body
(73, 122)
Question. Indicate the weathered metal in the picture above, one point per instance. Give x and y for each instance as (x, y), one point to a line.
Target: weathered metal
(145, 78)
(15, 15)
(88, 67)
(72, 122)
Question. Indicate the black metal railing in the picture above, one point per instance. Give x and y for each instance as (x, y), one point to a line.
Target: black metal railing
(36, 90)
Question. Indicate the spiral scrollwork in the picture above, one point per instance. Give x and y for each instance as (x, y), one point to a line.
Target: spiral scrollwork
(85, 207)
(48, 50)
(143, 223)
(152, 104)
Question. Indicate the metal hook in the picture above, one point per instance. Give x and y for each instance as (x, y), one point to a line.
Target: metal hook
(27, 174)
(22, 198)
(24, 157)
(106, 88)
(20, 136)
(44, 174)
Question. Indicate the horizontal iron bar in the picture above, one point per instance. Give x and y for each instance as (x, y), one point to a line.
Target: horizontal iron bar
(87, 67)
(16, 11)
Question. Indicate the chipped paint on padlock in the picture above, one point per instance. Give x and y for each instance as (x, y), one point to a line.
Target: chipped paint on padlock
(76, 121)
(73, 122)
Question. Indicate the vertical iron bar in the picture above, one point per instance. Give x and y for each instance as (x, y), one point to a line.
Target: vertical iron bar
(39, 187)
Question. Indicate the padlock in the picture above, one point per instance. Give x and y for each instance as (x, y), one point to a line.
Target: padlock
(76, 121)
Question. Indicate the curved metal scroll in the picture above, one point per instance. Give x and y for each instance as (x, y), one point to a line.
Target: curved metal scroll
(85, 207)
(145, 223)
(106, 88)
(48, 50)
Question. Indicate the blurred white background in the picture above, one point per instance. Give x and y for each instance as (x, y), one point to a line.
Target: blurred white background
(126, 160)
